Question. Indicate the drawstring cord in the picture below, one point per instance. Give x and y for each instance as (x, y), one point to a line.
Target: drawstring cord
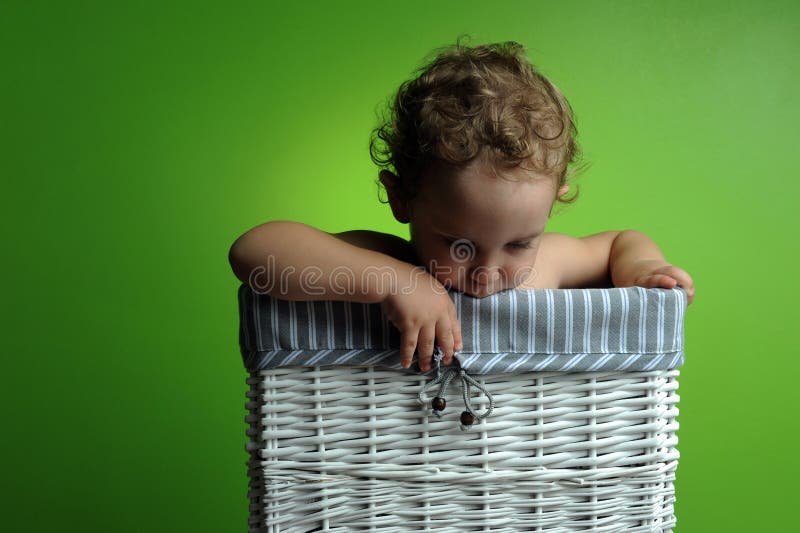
(443, 379)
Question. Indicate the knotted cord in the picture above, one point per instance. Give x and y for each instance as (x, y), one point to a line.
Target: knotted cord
(443, 379)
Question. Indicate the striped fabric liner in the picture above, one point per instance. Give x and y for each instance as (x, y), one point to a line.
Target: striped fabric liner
(566, 330)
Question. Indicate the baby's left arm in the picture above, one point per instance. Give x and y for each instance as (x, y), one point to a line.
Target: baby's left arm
(627, 258)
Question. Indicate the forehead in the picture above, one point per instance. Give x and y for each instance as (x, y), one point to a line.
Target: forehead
(479, 200)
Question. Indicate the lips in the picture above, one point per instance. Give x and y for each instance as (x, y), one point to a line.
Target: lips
(480, 289)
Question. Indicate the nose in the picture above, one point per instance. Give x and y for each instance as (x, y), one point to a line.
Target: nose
(484, 275)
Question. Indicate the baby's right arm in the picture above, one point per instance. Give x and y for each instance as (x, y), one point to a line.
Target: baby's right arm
(295, 261)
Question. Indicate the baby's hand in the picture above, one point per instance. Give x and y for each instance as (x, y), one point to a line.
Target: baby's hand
(652, 273)
(422, 313)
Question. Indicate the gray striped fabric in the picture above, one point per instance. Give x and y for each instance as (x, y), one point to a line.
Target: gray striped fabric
(568, 330)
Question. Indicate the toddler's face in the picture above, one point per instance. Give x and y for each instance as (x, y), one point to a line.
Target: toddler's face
(479, 233)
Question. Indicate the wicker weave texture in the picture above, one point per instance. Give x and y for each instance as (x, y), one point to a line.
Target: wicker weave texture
(351, 449)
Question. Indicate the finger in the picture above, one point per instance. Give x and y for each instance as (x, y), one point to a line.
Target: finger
(408, 343)
(684, 280)
(689, 293)
(444, 336)
(658, 280)
(681, 276)
(455, 334)
(425, 347)
(455, 326)
(688, 287)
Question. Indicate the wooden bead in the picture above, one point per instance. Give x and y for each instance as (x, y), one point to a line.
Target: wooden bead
(467, 418)
(438, 404)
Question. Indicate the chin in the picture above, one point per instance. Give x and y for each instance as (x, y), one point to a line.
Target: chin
(481, 292)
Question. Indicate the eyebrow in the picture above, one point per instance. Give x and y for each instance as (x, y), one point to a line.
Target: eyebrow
(529, 237)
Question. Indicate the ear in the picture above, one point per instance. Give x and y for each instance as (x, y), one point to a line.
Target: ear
(396, 200)
(564, 189)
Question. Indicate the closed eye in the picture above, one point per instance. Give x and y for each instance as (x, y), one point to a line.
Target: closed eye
(520, 245)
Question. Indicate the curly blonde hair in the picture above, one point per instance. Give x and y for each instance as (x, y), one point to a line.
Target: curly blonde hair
(487, 100)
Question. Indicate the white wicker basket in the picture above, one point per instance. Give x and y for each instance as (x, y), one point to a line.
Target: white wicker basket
(348, 447)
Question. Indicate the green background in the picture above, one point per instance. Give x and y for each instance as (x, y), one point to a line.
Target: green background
(138, 141)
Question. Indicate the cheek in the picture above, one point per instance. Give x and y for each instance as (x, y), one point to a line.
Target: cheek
(442, 253)
(436, 258)
(521, 266)
(447, 268)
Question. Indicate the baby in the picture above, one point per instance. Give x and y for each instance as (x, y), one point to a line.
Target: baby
(478, 148)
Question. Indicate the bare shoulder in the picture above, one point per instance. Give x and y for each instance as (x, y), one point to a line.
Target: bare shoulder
(554, 248)
(549, 260)
(385, 243)
(574, 262)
